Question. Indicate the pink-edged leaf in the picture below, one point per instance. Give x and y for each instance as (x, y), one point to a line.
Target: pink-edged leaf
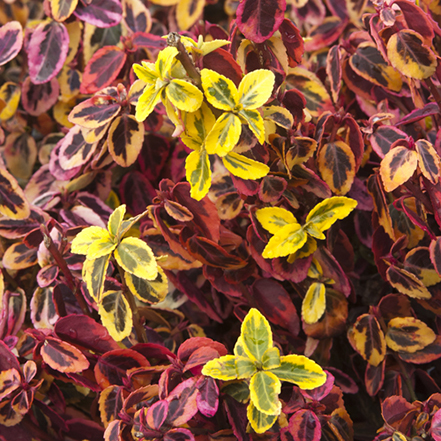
(293, 41)
(435, 254)
(47, 51)
(7, 359)
(305, 426)
(157, 414)
(136, 16)
(86, 332)
(179, 435)
(11, 41)
(95, 112)
(102, 69)
(296, 271)
(208, 398)
(334, 71)
(394, 408)
(321, 392)
(259, 19)
(62, 356)
(182, 402)
(275, 303)
(435, 427)
(39, 98)
(148, 41)
(13, 312)
(198, 358)
(418, 114)
(383, 138)
(100, 13)
(271, 188)
(190, 346)
(47, 275)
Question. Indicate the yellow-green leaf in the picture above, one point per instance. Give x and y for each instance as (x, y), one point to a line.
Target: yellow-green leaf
(300, 370)
(397, 167)
(314, 303)
(10, 93)
(115, 220)
(136, 257)
(274, 218)
(324, 214)
(287, 240)
(164, 62)
(244, 167)
(224, 135)
(256, 88)
(260, 422)
(255, 122)
(408, 53)
(184, 95)
(256, 335)
(146, 72)
(197, 126)
(116, 314)
(265, 388)
(147, 102)
(238, 348)
(271, 358)
(198, 173)
(219, 90)
(245, 367)
(148, 291)
(85, 238)
(222, 368)
(101, 247)
(94, 274)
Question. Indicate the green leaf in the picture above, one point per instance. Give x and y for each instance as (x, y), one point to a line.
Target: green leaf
(116, 314)
(94, 274)
(300, 370)
(198, 173)
(222, 368)
(260, 422)
(220, 91)
(136, 257)
(224, 135)
(85, 238)
(245, 367)
(244, 167)
(115, 220)
(256, 88)
(314, 303)
(265, 388)
(184, 95)
(271, 358)
(324, 214)
(256, 335)
(274, 218)
(287, 240)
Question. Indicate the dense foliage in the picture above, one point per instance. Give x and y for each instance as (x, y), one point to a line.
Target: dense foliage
(220, 220)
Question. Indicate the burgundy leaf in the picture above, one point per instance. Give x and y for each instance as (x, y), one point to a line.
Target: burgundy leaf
(100, 13)
(11, 41)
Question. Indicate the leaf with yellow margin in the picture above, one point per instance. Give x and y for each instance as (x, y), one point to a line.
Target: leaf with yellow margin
(116, 315)
(84, 239)
(243, 167)
(314, 303)
(274, 218)
(224, 135)
(397, 167)
(255, 88)
(94, 274)
(260, 422)
(265, 388)
(256, 335)
(287, 240)
(222, 368)
(184, 95)
(198, 173)
(219, 90)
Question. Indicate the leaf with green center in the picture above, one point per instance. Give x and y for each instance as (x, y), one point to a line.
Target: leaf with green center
(220, 91)
(245, 367)
(324, 214)
(147, 102)
(256, 335)
(224, 135)
(197, 126)
(287, 240)
(198, 173)
(116, 314)
(314, 303)
(260, 422)
(300, 370)
(94, 274)
(265, 388)
(243, 167)
(85, 238)
(148, 291)
(255, 122)
(101, 247)
(165, 61)
(184, 95)
(271, 358)
(136, 257)
(115, 220)
(239, 351)
(274, 218)
(256, 88)
(222, 368)
(146, 72)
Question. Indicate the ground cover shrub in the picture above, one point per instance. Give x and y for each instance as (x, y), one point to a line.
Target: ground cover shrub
(220, 220)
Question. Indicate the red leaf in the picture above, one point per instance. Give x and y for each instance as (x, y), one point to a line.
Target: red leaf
(100, 13)
(102, 69)
(305, 426)
(259, 19)
(11, 41)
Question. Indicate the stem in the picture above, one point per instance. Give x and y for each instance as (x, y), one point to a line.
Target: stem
(139, 328)
(174, 40)
(55, 252)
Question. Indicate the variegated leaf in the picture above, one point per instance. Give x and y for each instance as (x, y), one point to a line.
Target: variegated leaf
(265, 388)
(428, 160)
(256, 335)
(62, 9)
(188, 11)
(94, 274)
(256, 88)
(286, 241)
(148, 291)
(224, 135)
(255, 122)
(198, 173)
(116, 314)
(219, 90)
(243, 167)
(274, 218)
(11, 41)
(222, 368)
(13, 202)
(397, 167)
(260, 422)
(314, 303)
(184, 95)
